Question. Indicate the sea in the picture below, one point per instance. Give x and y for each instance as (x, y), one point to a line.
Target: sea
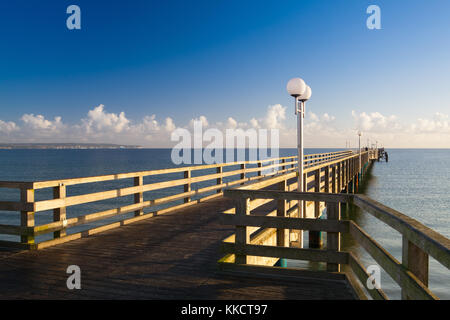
(415, 182)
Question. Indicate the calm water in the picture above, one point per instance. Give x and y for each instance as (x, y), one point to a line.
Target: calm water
(414, 182)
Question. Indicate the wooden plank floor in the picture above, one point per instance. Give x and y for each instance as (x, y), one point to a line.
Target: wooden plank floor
(171, 256)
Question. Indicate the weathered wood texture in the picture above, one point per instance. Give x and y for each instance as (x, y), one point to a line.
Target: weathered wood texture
(158, 258)
(418, 241)
(62, 199)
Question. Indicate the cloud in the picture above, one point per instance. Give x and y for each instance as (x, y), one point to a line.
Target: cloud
(99, 121)
(40, 123)
(254, 123)
(170, 125)
(8, 127)
(275, 116)
(438, 124)
(375, 122)
(202, 119)
(320, 130)
(231, 123)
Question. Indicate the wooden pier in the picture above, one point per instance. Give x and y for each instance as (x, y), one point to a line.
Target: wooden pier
(218, 235)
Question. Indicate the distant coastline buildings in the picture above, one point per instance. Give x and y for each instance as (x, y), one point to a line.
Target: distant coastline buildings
(66, 146)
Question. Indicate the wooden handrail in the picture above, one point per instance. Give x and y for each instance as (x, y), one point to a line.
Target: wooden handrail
(409, 273)
(29, 206)
(73, 181)
(269, 171)
(430, 241)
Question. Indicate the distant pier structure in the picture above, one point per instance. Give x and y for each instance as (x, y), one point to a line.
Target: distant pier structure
(382, 155)
(220, 231)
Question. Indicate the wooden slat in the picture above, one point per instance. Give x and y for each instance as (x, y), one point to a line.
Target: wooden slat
(27, 217)
(105, 195)
(82, 180)
(415, 260)
(280, 273)
(242, 231)
(288, 195)
(285, 253)
(333, 238)
(15, 230)
(59, 214)
(286, 223)
(73, 181)
(16, 184)
(363, 275)
(89, 218)
(16, 206)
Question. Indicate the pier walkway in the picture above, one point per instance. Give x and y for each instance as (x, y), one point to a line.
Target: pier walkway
(158, 258)
(221, 231)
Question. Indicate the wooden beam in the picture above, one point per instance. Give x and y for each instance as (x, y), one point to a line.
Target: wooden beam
(278, 273)
(59, 214)
(219, 180)
(362, 274)
(27, 217)
(286, 223)
(187, 185)
(242, 231)
(282, 233)
(416, 260)
(329, 256)
(430, 241)
(291, 195)
(333, 238)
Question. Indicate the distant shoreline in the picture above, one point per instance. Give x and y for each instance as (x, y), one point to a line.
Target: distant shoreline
(22, 146)
(108, 146)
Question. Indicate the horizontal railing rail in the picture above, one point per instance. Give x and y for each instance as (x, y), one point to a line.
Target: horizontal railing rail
(29, 206)
(193, 184)
(419, 241)
(224, 175)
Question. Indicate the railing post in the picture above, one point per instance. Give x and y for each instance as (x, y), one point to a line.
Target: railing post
(243, 173)
(27, 217)
(59, 214)
(282, 234)
(139, 197)
(242, 232)
(327, 179)
(315, 237)
(339, 177)
(347, 175)
(333, 238)
(416, 261)
(333, 180)
(187, 186)
(260, 170)
(219, 169)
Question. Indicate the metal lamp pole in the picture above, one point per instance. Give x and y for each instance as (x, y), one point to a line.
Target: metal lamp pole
(359, 145)
(300, 109)
(301, 92)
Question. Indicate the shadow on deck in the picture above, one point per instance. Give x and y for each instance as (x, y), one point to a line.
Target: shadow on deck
(172, 256)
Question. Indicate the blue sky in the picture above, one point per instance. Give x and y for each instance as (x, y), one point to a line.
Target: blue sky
(221, 59)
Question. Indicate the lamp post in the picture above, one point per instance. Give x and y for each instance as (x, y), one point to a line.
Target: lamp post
(297, 88)
(359, 136)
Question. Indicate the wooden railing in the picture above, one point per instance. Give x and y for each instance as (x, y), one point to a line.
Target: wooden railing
(411, 274)
(213, 175)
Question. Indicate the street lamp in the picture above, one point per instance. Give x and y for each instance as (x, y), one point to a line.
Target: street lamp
(301, 92)
(359, 136)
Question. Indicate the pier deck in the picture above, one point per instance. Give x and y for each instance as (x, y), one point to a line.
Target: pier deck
(172, 256)
(228, 239)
